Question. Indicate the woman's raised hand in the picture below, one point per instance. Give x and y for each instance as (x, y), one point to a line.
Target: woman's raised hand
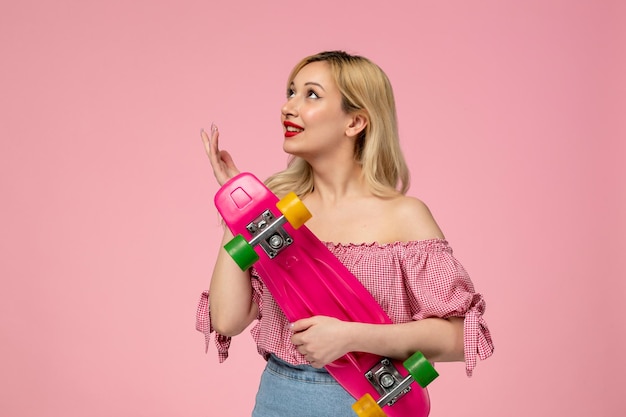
(223, 166)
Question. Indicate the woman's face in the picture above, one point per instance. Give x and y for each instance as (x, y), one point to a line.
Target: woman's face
(313, 119)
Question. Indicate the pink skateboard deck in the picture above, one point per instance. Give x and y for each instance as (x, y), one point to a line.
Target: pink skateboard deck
(306, 279)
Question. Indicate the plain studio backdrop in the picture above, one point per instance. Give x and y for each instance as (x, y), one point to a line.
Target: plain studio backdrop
(512, 120)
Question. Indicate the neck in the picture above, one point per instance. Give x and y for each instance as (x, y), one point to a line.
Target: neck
(337, 182)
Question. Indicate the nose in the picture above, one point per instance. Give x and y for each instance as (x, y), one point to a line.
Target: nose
(289, 108)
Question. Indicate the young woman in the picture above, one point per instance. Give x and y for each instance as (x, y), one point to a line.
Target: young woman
(340, 128)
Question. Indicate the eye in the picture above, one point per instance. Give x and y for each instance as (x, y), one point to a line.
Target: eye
(312, 94)
(290, 93)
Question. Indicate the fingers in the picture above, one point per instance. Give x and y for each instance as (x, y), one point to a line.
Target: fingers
(215, 135)
(228, 161)
(320, 339)
(210, 141)
(224, 167)
(315, 364)
(302, 324)
(221, 169)
(299, 337)
(297, 328)
(303, 349)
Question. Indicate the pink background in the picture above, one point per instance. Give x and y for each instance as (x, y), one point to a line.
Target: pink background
(512, 120)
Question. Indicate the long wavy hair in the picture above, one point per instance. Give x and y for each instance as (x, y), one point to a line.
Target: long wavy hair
(364, 88)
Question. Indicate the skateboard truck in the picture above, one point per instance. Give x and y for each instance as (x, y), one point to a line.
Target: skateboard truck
(388, 382)
(267, 231)
(391, 385)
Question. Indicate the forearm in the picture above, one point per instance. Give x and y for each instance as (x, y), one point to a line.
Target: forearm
(230, 295)
(440, 340)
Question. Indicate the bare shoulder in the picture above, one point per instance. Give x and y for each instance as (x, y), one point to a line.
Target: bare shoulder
(413, 220)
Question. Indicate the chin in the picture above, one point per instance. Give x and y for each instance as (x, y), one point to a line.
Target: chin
(290, 149)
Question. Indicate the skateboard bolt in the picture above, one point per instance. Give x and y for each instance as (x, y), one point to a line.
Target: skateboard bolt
(276, 241)
(386, 380)
(369, 375)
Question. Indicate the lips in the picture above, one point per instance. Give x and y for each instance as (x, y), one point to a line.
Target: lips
(291, 129)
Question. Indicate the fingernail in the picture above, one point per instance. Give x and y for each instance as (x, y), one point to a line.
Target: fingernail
(213, 127)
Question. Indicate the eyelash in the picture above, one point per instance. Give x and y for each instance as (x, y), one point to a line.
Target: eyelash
(290, 93)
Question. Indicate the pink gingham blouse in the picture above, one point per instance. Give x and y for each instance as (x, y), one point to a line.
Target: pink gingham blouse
(411, 281)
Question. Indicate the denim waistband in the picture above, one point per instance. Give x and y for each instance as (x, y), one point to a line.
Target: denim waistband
(305, 373)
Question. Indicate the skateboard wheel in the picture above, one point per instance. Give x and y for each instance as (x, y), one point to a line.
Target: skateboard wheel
(294, 210)
(367, 407)
(242, 253)
(420, 369)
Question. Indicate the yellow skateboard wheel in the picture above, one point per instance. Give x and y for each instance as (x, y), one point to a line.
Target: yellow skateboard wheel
(294, 210)
(367, 407)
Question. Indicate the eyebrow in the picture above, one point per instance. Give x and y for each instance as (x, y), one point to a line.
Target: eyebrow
(308, 83)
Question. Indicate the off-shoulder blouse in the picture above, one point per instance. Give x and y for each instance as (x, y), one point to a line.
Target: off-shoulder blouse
(410, 280)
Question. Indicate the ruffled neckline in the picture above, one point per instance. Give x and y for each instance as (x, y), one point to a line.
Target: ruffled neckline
(420, 244)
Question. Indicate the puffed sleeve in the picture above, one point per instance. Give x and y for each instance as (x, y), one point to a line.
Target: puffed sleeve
(203, 325)
(203, 321)
(439, 286)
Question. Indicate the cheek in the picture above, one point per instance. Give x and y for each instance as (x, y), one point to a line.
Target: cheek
(312, 116)
(323, 118)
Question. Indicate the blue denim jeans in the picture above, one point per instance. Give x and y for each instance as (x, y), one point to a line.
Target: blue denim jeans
(300, 391)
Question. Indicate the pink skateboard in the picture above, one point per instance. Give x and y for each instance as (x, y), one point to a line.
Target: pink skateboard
(306, 279)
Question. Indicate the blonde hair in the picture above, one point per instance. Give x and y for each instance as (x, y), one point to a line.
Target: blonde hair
(365, 88)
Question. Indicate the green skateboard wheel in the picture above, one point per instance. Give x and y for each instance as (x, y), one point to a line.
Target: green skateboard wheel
(242, 253)
(420, 369)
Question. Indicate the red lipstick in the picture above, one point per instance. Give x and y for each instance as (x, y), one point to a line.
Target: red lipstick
(294, 131)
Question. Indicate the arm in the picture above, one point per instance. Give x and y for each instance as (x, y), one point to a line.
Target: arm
(230, 297)
(440, 340)
(324, 339)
